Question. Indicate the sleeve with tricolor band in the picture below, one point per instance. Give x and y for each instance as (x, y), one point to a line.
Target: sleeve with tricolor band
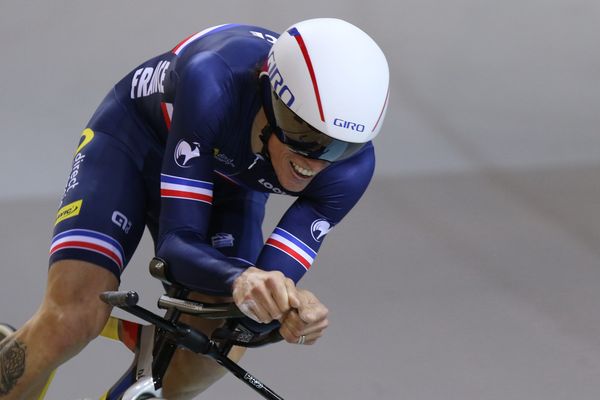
(293, 246)
(90, 240)
(200, 111)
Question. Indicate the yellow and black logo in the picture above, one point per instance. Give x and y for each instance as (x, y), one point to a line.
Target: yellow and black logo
(86, 136)
(68, 211)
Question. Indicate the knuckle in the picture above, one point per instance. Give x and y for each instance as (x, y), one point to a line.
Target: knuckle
(275, 278)
(270, 282)
(278, 275)
(248, 297)
(255, 290)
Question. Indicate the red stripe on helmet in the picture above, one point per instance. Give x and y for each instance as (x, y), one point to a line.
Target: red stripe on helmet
(304, 50)
(382, 109)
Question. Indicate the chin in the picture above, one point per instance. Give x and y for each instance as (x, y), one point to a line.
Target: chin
(296, 187)
(293, 184)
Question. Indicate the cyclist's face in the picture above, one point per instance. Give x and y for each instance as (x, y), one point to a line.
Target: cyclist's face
(293, 170)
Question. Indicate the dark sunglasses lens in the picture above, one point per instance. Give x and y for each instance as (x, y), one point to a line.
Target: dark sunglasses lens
(303, 139)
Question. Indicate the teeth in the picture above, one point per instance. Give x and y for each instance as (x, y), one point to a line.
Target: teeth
(302, 171)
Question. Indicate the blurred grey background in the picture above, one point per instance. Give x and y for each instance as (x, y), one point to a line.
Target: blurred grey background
(471, 269)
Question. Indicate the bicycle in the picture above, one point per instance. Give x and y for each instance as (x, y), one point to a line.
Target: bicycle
(154, 345)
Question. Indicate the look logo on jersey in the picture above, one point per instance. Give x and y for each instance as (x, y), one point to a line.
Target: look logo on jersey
(185, 152)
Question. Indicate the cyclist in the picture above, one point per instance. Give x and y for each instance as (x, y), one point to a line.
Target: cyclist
(190, 144)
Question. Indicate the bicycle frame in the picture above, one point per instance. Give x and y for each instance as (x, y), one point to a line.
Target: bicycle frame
(153, 345)
(137, 381)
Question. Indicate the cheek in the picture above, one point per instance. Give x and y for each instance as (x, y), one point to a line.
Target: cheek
(319, 166)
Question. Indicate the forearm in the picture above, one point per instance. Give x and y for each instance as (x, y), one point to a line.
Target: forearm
(195, 264)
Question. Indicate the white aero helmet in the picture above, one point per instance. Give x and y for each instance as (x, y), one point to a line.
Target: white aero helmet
(330, 88)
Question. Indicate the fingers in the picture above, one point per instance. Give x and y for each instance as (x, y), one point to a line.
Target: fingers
(293, 327)
(253, 310)
(293, 295)
(263, 295)
(313, 313)
(278, 295)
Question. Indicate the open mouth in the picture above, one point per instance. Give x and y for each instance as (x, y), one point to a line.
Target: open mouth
(302, 172)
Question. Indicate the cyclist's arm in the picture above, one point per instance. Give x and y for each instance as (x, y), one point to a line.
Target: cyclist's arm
(202, 103)
(294, 244)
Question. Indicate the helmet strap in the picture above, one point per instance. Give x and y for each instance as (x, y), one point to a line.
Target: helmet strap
(267, 131)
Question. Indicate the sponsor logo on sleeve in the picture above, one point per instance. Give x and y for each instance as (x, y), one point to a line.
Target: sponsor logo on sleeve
(119, 219)
(68, 211)
(185, 151)
(86, 137)
(319, 228)
(222, 239)
(221, 157)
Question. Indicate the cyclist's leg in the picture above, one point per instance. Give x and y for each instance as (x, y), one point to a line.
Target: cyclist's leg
(68, 318)
(90, 248)
(190, 374)
(236, 230)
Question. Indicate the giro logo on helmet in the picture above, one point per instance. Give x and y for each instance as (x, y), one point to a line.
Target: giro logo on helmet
(349, 125)
(316, 61)
(279, 87)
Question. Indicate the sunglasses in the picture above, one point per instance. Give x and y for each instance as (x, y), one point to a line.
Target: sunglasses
(303, 139)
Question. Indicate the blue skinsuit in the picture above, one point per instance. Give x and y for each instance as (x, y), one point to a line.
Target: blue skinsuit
(169, 148)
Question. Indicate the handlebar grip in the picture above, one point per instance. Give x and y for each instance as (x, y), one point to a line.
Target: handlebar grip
(120, 299)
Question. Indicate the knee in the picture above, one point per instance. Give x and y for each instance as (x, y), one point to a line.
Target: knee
(84, 324)
(72, 314)
(69, 328)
